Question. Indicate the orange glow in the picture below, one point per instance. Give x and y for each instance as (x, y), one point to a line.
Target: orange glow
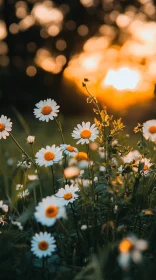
(14, 28)
(61, 45)
(26, 23)
(49, 63)
(117, 76)
(3, 48)
(3, 31)
(122, 79)
(82, 30)
(31, 71)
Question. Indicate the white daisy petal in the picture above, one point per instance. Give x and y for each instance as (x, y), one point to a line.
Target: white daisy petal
(67, 194)
(46, 110)
(49, 210)
(85, 133)
(149, 130)
(43, 244)
(5, 126)
(48, 156)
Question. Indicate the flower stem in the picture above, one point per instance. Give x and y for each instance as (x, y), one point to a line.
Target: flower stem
(53, 179)
(38, 173)
(22, 149)
(60, 129)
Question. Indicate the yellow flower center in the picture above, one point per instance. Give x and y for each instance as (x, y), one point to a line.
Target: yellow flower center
(152, 129)
(51, 212)
(81, 156)
(46, 110)
(43, 245)
(68, 196)
(49, 156)
(70, 149)
(2, 127)
(85, 134)
(125, 246)
(145, 167)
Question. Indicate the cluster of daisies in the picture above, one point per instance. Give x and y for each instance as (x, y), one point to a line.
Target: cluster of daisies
(48, 211)
(52, 208)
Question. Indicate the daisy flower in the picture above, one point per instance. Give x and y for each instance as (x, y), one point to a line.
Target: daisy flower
(5, 126)
(85, 133)
(131, 249)
(146, 166)
(49, 210)
(43, 244)
(68, 150)
(48, 156)
(23, 194)
(133, 155)
(24, 164)
(68, 194)
(30, 139)
(46, 110)
(149, 130)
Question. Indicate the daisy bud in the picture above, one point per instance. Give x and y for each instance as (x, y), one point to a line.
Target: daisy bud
(83, 227)
(95, 179)
(30, 139)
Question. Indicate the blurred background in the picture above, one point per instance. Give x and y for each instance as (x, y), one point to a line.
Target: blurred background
(48, 47)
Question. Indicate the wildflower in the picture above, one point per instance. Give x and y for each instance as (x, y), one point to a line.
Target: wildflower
(48, 156)
(147, 212)
(4, 207)
(71, 172)
(95, 179)
(149, 130)
(46, 110)
(146, 166)
(133, 155)
(18, 224)
(49, 210)
(23, 194)
(81, 156)
(114, 142)
(2, 221)
(33, 177)
(85, 133)
(130, 249)
(68, 150)
(102, 152)
(43, 244)
(19, 187)
(81, 159)
(102, 168)
(68, 194)
(5, 126)
(30, 139)
(24, 164)
(81, 182)
(83, 227)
